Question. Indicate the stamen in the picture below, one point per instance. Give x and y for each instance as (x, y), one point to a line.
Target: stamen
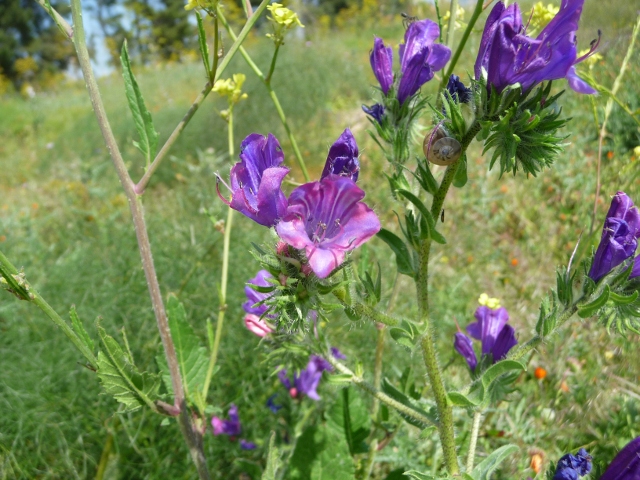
(218, 180)
(594, 45)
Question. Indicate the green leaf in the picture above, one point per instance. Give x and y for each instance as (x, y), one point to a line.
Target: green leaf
(589, 309)
(429, 225)
(122, 379)
(273, 460)
(418, 475)
(460, 179)
(204, 48)
(498, 369)
(321, 454)
(426, 178)
(620, 299)
(479, 389)
(488, 466)
(398, 396)
(349, 417)
(404, 260)
(142, 118)
(79, 329)
(192, 356)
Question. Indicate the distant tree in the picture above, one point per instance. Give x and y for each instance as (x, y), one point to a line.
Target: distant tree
(31, 47)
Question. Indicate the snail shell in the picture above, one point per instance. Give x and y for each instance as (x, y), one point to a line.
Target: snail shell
(440, 149)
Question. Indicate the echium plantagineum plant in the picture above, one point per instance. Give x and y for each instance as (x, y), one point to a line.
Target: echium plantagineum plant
(305, 269)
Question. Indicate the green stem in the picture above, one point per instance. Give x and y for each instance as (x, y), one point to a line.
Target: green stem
(272, 94)
(475, 429)
(453, 13)
(267, 80)
(362, 310)
(465, 36)
(8, 269)
(224, 277)
(216, 47)
(383, 397)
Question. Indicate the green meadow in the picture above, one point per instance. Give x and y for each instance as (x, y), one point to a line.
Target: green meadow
(65, 221)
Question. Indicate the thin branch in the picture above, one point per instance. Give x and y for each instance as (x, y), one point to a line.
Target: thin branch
(59, 20)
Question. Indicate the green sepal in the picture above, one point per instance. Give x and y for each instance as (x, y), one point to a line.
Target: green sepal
(589, 309)
(404, 259)
(460, 179)
(564, 286)
(548, 316)
(141, 116)
(122, 379)
(425, 177)
(620, 299)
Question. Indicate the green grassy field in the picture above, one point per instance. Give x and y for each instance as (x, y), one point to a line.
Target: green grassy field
(64, 219)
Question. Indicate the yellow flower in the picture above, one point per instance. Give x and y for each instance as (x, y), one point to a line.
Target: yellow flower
(195, 4)
(541, 16)
(459, 18)
(284, 16)
(636, 151)
(231, 88)
(492, 303)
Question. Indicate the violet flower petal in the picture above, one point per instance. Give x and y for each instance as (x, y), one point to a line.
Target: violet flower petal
(247, 445)
(506, 341)
(229, 427)
(375, 111)
(253, 296)
(381, 59)
(635, 271)
(626, 465)
(327, 219)
(343, 157)
(464, 347)
(489, 324)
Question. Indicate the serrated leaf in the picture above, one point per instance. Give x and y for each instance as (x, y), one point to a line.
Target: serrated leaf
(273, 460)
(589, 309)
(79, 329)
(321, 454)
(404, 259)
(123, 380)
(204, 48)
(193, 359)
(148, 137)
(488, 466)
(349, 417)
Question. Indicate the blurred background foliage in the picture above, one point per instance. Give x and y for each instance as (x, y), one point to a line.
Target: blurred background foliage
(64, 219)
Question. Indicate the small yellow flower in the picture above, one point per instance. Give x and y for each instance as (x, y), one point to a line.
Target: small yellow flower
(459, 18)
(541, 16)
(284, 16)
(636, 151)
(492, 303)
(191, 4)
(231, 88)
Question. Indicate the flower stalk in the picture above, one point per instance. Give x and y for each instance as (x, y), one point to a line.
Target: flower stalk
(475, 429)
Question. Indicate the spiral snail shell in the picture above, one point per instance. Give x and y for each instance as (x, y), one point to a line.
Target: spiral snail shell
(440, 149)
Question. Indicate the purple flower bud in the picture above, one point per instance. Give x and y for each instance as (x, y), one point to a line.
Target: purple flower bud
(229, 427)
(464, 347)
(420, 57)
(327, 219)
(337, 354)
(247, 445)
(343, 158)
(381, 59)
(619, 236)
(256, 180)
(257, 325)
(509, 56)
(254, 296)
(375, 111)
(626, 465)
(458, 91)
(572, 467)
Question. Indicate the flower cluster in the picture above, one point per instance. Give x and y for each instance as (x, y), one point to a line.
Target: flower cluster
(305, 383)
(619, 238)
(325, 218)
(508, 56)
(282, 19)
(572, 467)
(492, 330)
(231, 88)
(231, 427)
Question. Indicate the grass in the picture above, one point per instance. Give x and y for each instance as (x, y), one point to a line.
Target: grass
(65, 221)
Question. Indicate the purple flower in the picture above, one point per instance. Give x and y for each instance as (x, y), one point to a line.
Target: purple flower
(327, 219)
(306, 382)
(343, 158)
(635, 271)
(229, 427)
(458, 91)
(272, 404)
(253, 296)
(492, 330)
(571, 467)
(247, 445)
(381, 59)
(337, 354)
(420, 57)
(619, 237)
(626, 465)
(375, 111)
(256, 180)
(509, 56)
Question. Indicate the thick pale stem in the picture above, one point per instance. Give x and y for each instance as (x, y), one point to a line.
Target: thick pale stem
(191, 437)
(451, 31)
(475, 429)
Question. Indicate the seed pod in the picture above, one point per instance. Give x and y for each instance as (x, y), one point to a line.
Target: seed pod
(440, 149)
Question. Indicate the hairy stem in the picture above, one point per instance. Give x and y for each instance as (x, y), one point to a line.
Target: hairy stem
(475, 429)
(274, 98)
(192, 438)
(383, 397)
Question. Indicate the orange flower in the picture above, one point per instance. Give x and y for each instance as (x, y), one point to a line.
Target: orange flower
(540, 373)
(514, 262)
(536, 462)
